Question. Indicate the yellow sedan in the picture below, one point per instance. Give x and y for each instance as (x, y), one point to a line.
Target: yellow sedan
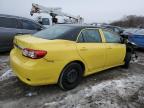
(63, 54)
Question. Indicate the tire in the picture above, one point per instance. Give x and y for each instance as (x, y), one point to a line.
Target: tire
(70, 76)
(127, 60)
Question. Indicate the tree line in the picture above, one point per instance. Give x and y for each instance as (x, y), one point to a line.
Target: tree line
(130, 21)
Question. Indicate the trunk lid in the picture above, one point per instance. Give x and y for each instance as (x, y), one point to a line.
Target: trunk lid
(29, 41)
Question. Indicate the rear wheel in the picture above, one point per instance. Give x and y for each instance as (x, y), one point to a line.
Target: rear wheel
(70, 76)
(127, 60)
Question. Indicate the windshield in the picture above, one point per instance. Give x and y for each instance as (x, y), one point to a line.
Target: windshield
(59, 32)
(130, 30)
(140, 32)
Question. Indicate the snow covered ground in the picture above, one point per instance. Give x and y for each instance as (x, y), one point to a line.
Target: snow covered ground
(113, 88)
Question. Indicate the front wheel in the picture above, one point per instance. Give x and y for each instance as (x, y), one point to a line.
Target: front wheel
(127, 60)
(70, 76)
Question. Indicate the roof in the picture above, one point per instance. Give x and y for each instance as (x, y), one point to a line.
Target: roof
(11, 16)
(78, 25)
(67, 34)
(18, 17)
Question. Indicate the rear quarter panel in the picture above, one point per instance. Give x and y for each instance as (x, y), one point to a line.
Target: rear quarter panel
(61, 53)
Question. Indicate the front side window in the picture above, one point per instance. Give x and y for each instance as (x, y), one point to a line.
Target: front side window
(8, 22)
(111, 37)
(90, 36)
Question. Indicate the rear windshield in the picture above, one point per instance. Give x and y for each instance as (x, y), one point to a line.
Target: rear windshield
(59, 32)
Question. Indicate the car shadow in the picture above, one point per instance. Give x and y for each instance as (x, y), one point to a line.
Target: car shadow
(4, 53)
(13, 88)
(140, 50)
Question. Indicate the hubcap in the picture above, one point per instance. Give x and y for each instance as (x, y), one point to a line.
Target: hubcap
(72, 76)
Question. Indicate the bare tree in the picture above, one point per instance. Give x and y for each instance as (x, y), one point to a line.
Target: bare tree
(130, 21)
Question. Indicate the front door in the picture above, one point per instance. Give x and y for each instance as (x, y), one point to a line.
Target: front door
(115, 50)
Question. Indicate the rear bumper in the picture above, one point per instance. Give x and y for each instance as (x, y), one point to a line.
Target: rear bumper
(34, 72)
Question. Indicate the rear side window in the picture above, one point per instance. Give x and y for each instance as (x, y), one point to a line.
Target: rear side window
(29, 25)
(90, 36)
(8, 22)
(111, 37)
(59, 32)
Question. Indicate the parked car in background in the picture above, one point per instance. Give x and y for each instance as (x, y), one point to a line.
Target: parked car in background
(129, 31)
(63, 54)
(137, 38)
(14, 25)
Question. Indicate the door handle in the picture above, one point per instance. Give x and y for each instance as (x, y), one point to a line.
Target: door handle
(83, 49)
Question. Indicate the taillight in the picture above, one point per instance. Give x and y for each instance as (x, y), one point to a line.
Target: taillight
(34, 54)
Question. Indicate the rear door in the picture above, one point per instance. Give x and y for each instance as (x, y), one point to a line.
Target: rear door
(115, 50)
(8, 29)
(91, 49)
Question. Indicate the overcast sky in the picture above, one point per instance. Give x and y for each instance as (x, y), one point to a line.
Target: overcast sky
(90, 10)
